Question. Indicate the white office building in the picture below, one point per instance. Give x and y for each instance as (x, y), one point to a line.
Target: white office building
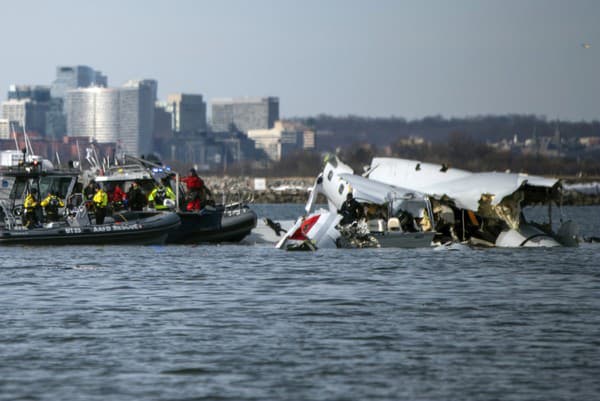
(124, 116)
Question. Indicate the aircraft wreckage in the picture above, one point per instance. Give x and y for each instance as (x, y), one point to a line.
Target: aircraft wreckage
(410, 204)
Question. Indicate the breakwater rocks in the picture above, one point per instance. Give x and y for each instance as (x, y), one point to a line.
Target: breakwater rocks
(261, 190)
(296, 190)
(576, 198)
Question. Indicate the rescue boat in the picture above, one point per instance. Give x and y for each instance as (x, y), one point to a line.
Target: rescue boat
(74, 225)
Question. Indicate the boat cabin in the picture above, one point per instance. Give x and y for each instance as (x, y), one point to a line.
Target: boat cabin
(18, 181)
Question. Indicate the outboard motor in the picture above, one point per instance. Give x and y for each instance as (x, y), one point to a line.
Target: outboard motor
(80, 218)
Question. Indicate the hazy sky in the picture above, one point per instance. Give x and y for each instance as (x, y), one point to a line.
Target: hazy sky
(372, 58)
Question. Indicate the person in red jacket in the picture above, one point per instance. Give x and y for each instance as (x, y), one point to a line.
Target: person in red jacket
(197, 192)
(117, 197)
(193, 182)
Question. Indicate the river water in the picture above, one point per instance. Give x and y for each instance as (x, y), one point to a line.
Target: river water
(235, 322)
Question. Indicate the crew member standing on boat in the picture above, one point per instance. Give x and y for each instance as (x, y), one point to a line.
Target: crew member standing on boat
(51, 204)
(197, 191)
(89, 191)
(100, 202)
(31, 205)
(136, 197)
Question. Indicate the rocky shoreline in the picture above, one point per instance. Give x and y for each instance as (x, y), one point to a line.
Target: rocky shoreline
(575, 198)
(277, 190)
(296, 190)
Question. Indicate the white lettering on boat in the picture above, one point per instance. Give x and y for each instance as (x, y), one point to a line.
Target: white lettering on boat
(105, 229)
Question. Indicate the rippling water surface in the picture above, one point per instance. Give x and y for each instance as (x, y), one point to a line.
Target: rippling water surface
(236, 322)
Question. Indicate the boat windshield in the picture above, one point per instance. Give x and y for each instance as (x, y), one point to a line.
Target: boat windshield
(62, 185)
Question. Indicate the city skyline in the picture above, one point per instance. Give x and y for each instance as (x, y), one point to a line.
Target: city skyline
(406, 59)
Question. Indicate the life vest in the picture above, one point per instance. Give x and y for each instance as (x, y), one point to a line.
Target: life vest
(30, 203)
(53, 205)
(100, 199)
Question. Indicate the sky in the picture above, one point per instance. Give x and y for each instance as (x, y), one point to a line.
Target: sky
(372, 58)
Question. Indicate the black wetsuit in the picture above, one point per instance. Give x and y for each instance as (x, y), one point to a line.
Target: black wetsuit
(351, 211)
(136, 198)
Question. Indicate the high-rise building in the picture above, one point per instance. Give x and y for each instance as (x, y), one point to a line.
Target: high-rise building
(209, 150)
(93, 112)
(188, 112)
(222, 116)
(279, 141)
(27, 104)
(15, 110)
(28, 112)
(124, 116)
(162, 122)
(244, 114)
(74, 77)
(68, 78)
(5, 128)
(136, 118)
(38, 93)
(56, 121)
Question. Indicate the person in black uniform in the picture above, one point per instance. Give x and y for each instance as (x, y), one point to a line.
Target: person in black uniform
(351, 210)
(89, 191)
(136, 197)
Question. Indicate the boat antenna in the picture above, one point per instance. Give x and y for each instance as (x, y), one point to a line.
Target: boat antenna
(14, 132)
(78, 154)
(98, 163)
(90, 158)
(27, 141)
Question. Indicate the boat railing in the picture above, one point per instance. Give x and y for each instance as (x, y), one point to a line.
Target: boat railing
(236, 206)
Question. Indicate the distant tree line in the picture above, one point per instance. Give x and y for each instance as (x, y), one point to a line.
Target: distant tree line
(458, 151)
(384, 131)
(462, 151)
(457, 142)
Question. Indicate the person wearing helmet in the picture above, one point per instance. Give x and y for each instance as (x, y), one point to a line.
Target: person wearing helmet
(158, 196)
(51, 204)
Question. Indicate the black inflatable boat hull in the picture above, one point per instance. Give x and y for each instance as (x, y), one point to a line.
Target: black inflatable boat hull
(148, 230)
